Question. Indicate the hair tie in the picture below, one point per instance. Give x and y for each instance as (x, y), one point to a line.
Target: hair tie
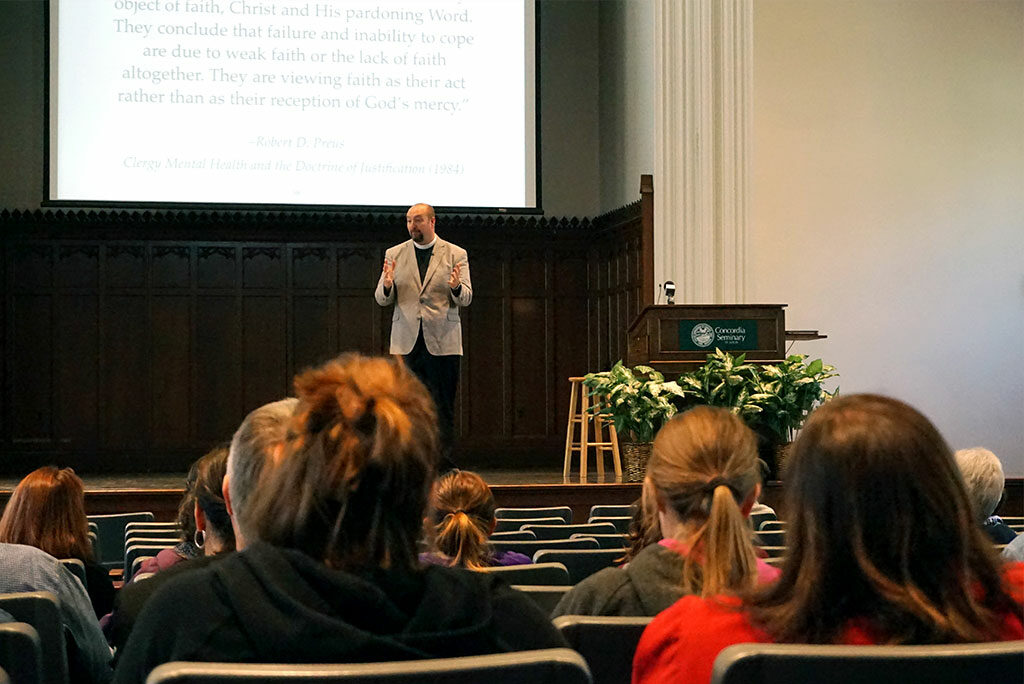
(716, 482)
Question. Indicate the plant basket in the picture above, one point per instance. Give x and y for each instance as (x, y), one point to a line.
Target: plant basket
(635, 456)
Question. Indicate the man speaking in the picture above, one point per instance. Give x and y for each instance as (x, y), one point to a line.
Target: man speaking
(428, 280)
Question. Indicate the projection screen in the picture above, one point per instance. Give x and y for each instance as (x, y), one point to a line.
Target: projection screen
(293, 102)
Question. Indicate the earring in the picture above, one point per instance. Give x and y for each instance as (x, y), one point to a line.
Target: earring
(199, 538)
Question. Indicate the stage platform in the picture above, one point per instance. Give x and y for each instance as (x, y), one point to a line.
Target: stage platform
(161, 492)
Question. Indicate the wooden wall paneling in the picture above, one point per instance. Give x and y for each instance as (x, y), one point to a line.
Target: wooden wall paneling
(263, 266)
(31, 377)
(125, 372)
(76, 370)
(172, 265)
(359, 316)
(217, 406)
(529, 362)
(313, 317)
(171, 376)
(571, 339)
(485, 348)
(125, 265)
(265, 372)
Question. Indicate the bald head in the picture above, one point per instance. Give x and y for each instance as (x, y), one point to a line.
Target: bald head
(419, 221)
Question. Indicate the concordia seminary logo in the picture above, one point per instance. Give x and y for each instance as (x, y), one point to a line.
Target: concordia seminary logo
(702, 335)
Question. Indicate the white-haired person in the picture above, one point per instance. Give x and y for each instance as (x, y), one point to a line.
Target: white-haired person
(983, 475)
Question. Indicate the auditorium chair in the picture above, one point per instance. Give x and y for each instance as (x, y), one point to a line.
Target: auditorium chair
(563, 512)
(612, 511)
(606, 541)
(545, 596)
(21, 653)
(770, 538)
(514, 535)
(990, 663)
(162, 535)
(547, 666)
(606, 643)
(4, 679)
(567, 531)
(40, 610)
(772, 526)
(770, 552)
(110, 536)
(514, 524)
(529, 548)
(581, 563)
(548, 574)
(621, 522)
(152, 526)
(139, 550)
(757, 519)
(76, 568)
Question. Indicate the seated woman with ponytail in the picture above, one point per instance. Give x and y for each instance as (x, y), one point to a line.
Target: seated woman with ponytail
(702, 480)
(330, 573)
(883, 548)
(463, 510)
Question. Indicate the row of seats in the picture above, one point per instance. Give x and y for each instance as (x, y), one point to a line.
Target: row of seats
(31, 652)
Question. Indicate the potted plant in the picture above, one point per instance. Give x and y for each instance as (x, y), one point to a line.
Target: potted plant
(638, 401)
(773, 399)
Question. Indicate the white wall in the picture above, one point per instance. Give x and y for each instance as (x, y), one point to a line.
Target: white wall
(888, 207)
(626, 38)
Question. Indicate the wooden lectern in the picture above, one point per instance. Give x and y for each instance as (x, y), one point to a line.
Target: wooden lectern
(677, 338)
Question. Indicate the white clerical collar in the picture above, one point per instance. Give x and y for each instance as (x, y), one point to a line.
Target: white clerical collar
(419, 246)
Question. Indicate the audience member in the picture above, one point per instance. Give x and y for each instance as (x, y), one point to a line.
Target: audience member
(883, 548)
(644, 529)
(463, 519)
(1014, 551)
(983, 475)
(252, 446)
(330, 571)
(202, 500)
(47, 511)
(27, 568)
(702, 481)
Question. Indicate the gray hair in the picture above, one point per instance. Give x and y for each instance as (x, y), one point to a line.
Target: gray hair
(983, 475)
(252, 446)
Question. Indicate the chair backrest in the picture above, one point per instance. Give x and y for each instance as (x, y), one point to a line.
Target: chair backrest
(621, 523)
(513, 524)
(581, 563)
(563, 512)
(41, 610)
(991, 663)
(148, 525)
(545, 596)
(110, 535)
(770, 538)
(547, 666)
(550, 574)
(772, 551)
(136, 564)
(162, 535)
(21, 655)
(4, 679)
(606, 541)
(614, 511)
(76, 568)
(757, 519)
(136, 550)
(606, 643)
(772, 526)
(566, 531)
(514, 535)
(529, 548)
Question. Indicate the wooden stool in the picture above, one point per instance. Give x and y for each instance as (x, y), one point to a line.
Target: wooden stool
(579, 414)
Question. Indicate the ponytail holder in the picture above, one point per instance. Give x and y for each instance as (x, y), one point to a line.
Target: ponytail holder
(714, 483)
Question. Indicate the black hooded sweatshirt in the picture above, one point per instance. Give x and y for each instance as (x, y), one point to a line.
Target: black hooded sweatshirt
(273, 605)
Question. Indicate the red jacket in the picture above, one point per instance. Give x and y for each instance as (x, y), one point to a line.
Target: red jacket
(681, 644)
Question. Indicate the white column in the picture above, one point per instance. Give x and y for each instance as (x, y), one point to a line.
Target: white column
(703, 73)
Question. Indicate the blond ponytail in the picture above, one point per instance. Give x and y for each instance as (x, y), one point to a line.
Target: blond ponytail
(704, 467)
(463, 515)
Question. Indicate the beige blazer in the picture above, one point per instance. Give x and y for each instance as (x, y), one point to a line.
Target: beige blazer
(429, 302)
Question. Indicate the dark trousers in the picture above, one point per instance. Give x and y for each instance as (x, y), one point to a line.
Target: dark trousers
(440, 374)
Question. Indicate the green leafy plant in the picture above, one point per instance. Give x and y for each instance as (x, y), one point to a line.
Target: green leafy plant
(773, 399)
(638, 400)
(786, 393)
